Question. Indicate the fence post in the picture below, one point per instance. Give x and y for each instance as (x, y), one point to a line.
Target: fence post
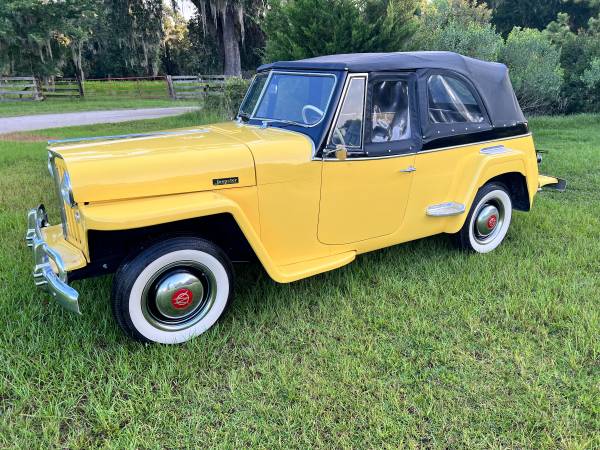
(79, 84)
(37, 89)
(170, 87)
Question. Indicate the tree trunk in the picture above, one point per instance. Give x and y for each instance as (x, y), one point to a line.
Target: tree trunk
(231, 49)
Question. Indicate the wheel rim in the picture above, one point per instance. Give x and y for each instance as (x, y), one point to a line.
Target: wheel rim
(179, 295)
(489, 219)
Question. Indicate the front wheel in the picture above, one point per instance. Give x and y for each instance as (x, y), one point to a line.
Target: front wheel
(172, 291)
(488, 221)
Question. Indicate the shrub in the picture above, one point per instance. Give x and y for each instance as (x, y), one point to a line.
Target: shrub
(460, 26)
(535, 70)
(227, 102)
(580, 93)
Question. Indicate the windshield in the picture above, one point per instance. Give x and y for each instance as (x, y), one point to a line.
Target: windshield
(253, 94)
(288, 97)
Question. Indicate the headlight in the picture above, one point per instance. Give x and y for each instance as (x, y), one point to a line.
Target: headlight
(65, 190)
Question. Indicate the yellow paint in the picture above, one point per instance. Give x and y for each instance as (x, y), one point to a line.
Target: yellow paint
(302, 216)
(545, 180)
(72, 257)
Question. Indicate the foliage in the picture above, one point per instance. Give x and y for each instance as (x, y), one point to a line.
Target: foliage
(535, 70)
(227, 103)
(578, 53)
(305, 28)
(538, 13)
(460, 26)
(42, 37)
(591, 76)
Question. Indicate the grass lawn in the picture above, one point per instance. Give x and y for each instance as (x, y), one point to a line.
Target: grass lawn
(54, 105)
(414, 346)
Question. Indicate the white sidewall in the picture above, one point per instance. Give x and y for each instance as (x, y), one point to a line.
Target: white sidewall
(154, 334)
(504, 198)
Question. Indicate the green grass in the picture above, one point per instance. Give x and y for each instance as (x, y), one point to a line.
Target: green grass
(55, 105)
(414, 346)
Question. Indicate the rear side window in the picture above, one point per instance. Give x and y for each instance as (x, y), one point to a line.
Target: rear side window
(451, 101)
(390, 118)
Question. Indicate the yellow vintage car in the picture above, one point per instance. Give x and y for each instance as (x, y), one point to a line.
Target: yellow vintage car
(329, 157)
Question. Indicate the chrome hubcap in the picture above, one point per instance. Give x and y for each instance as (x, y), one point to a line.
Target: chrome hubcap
(488, 221)
(179, 296)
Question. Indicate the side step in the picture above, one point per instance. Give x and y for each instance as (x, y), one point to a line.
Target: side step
(445, 209)
(297, 271)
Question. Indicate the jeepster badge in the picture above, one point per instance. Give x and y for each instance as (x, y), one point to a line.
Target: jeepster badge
(182, 298)
(222, 181)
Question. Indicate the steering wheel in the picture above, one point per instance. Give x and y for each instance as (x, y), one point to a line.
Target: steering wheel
(338, 134)
(313, 108)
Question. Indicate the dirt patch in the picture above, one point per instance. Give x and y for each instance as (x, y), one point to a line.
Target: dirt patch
(25, 137)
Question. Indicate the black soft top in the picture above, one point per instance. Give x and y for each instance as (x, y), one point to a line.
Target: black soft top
(490, 79)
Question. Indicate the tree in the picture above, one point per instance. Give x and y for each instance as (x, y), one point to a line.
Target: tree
(229, 24)
(294, 30)
(538, 13)
(40, 38)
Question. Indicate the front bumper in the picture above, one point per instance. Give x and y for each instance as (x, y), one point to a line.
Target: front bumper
(49, 271)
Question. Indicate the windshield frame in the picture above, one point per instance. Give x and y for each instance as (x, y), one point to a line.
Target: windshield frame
(288, 72)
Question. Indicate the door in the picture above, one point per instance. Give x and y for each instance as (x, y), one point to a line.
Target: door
(364, 195)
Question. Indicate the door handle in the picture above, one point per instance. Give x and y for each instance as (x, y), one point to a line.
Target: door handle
(408, 169)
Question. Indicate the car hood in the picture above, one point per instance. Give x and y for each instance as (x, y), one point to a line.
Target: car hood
(171, 162)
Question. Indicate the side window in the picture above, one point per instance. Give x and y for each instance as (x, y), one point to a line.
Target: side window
(390, 118)
(348, 128)
(451, 101)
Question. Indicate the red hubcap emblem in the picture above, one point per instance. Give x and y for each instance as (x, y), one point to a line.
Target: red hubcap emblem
(492, 221)
(182, 298)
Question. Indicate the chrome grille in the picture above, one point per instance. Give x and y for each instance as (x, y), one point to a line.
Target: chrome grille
(71, 229)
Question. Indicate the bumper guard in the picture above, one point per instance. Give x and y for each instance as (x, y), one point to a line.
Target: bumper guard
(45, 258)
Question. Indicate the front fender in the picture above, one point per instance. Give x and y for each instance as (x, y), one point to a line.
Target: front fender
(145, 212)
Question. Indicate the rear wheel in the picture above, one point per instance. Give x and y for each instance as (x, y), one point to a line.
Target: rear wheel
(172, 291)
(488, 221)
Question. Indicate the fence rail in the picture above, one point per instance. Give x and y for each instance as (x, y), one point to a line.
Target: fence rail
(176, 87)
(62, 87)
(195, 86)
(19, 89)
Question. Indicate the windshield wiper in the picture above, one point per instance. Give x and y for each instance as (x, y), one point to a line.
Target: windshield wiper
(284, 122)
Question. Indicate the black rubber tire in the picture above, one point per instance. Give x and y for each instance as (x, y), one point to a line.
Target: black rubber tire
(462, 238)
(130, 270)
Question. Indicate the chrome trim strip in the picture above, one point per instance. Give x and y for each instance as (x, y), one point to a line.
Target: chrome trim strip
(127, 136)
(312, 74)
(494, 150)
(474, 143)
(445, 209)
(365, 158)
(43, 274)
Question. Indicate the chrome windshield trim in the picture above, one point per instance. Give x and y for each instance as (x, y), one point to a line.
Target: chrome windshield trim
(338, 110)
(312, 74)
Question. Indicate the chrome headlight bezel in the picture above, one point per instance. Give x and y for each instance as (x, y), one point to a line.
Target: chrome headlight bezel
(66, 191)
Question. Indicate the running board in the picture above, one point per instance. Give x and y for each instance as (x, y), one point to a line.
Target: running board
(445, 209)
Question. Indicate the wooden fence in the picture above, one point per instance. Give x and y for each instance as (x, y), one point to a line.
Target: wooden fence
(19, 88)
(182, 87)
(176, 87)
(62, 87)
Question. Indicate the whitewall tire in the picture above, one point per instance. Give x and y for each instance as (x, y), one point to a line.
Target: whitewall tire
(172, 291)
(488, 220)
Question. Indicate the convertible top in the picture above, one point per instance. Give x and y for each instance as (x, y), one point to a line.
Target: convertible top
(490, 79)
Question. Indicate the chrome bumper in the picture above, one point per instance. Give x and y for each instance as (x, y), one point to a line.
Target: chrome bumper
(44, 276)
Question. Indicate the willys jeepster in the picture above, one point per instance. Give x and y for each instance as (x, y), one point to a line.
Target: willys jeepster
(329, 157)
